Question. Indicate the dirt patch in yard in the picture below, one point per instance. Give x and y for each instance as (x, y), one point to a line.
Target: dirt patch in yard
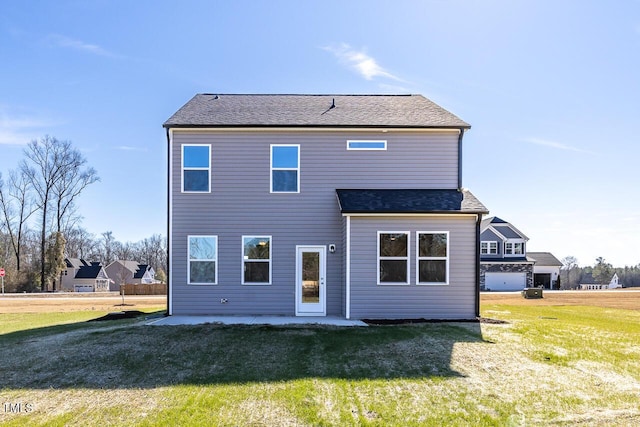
(60, 303)
(628, 299)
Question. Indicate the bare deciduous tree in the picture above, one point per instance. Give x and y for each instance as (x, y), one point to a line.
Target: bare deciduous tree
(48, 165)
(17, 206)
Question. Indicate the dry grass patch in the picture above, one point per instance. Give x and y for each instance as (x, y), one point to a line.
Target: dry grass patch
(546, 365)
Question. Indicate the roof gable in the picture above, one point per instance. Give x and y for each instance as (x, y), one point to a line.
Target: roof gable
(236, 110)
(501, 228)
(91, 271)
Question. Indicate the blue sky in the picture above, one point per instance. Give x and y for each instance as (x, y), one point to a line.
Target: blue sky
(551, 89)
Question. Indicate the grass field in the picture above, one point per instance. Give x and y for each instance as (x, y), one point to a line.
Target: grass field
(541, 363)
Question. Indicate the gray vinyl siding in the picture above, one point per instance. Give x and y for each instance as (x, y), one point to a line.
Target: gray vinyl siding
(453, 301)
(240, 203)
(490, 236)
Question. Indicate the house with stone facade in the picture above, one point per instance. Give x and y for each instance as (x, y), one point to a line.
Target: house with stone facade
(505, 263)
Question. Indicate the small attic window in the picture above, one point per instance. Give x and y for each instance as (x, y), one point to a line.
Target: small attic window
(367, 145)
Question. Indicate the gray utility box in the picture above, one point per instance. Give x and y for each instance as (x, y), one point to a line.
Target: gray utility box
(532, 292)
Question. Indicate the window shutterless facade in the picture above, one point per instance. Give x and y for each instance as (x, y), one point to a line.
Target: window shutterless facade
(432, 258)
(367, 145)
(285, 168)
(202, 258)
(256, 260)
(489, 248)
(196, 168)
(514, 248)
(393, 258)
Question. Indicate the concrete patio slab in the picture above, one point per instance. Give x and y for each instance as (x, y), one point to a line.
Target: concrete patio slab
(255, 320)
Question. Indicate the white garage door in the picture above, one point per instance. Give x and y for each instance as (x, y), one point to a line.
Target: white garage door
(505, 281)
(83, 288)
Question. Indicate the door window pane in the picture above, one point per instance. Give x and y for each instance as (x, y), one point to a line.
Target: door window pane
(310, 277)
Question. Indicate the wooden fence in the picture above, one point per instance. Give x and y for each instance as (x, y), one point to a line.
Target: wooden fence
(145, 289)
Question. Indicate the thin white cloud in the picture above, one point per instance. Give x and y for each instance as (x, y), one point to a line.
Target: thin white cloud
(20, 130)
(360, 62)
(69, 43)
(130, 148)
(556, 145)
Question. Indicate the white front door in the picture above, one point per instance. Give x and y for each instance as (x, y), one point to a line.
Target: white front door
(310, 281)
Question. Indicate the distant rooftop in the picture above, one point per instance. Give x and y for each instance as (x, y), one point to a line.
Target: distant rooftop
(235, 110)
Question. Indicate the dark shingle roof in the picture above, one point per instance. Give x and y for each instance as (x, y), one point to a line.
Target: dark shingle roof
(89, 271)
(409, 201)
(545, 258)
(142, 269)
(394, 111)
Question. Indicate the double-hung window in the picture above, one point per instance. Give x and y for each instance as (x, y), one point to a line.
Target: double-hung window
(513, 248)
(285, 168)
(393, 257)
(196, 168)
(433, 258)
(256, 260)
(203, 260)
(489, 248)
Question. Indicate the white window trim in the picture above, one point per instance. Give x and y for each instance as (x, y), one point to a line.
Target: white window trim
(257, 260)
(405, 258)
(189, 260)
(431, 258)
(350, 148)
(271, 169)
(489, 244)
(182, 168)
(511, 242)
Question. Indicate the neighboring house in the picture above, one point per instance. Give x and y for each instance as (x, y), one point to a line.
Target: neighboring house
(588, 283)
(124, 272)
(546, 270)
(504, 265)
(316, 205)
(82, 276)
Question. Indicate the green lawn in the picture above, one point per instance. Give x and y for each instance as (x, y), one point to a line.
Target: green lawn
(544, 365)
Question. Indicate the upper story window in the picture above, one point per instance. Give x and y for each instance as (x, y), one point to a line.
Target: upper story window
(203, 260)
(256, 260)
(393, 258)
(514, 248)
(285, 168)
(433, 258)
(366, 145)
(489, 248)
(196, 168)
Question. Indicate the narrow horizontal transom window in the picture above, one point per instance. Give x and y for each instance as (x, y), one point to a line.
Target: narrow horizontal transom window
(285, 168)
(203, 260)
(393, 257)
(256, 260)
(367, 145)
(433, 258)
(196, 168)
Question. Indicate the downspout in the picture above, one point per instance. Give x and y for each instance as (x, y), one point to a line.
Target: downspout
(168, 272)
(478, 222)
(460, 158)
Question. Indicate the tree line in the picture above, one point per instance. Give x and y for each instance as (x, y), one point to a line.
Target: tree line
(572, 275)
(40, 225)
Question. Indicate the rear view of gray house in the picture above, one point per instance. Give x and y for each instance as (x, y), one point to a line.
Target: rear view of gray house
(316, 205)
